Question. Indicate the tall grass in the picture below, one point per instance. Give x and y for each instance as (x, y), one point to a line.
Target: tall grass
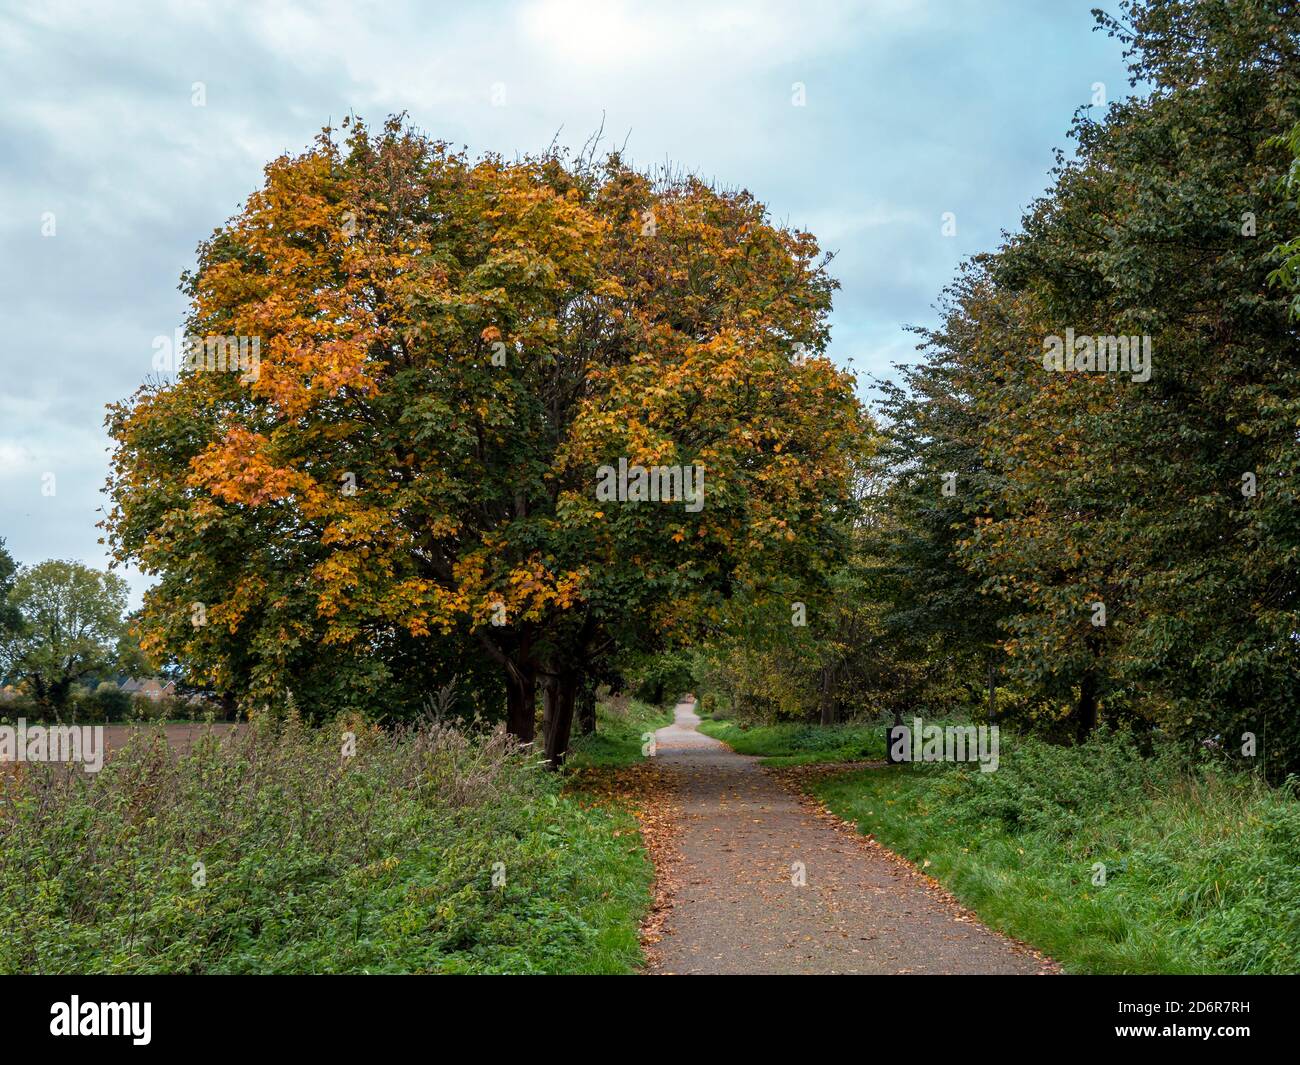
(269, 850)
(791, 743)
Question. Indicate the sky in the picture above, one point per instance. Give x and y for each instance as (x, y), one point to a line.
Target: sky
(128, 132)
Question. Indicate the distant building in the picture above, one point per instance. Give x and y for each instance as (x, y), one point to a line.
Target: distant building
(150, 688)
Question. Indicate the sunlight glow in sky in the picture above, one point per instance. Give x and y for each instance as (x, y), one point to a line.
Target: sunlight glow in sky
(912, 109)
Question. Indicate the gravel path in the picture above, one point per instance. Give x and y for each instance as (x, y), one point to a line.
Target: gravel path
(737, 909)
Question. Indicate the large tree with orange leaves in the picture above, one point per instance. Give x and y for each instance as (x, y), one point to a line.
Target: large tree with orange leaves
(404, 484)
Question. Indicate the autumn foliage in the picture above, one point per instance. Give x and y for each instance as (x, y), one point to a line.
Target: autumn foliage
(450, 348)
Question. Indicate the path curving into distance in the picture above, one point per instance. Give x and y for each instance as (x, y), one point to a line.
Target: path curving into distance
(736, 908)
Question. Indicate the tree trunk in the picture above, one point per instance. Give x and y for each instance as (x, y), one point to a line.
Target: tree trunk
(521, 702)
(827, 704)
(586, 708)
(558, 694)
(1086, 712)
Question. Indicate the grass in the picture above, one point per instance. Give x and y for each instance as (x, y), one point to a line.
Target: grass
(1202, 869)
(619, 736)
(800, 744)
(428, 850)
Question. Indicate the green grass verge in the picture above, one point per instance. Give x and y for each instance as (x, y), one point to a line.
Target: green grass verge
(1202, 869)
(799, 744)
(619, 735)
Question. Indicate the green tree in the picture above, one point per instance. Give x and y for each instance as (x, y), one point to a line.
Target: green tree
(1139, 528)
(71, 621)
(937, 483)
(1288, 273)
(10, 619)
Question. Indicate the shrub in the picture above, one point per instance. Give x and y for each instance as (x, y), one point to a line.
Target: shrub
(21, 706)
(105, 703)
(1057, 789)
(114, 703)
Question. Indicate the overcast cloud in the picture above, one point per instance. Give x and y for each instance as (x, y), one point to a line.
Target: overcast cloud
(912, 109)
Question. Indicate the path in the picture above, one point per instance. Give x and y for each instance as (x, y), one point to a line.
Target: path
(736, 909)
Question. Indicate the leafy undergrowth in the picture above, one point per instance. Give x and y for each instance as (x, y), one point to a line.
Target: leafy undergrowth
(428, 850)
(800, 744)
(1202, 869)
(620, 734)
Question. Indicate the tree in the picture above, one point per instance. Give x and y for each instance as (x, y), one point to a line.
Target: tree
(10, 619)
(452, 354)
(1140, 524)
(71, 622)
(1165, 228)
(937, 484)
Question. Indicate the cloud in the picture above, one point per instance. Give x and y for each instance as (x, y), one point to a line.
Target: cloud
(912, 109)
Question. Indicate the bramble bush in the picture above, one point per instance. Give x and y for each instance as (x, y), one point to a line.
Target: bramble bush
(1055, 789)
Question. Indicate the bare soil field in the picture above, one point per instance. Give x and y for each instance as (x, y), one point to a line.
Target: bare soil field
(180, 738)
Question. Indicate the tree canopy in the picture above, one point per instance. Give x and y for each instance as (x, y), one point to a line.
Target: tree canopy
(68, 623)
(1132, 535)
(449, 351)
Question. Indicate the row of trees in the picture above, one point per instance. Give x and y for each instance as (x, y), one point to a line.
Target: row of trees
(1104, 544)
